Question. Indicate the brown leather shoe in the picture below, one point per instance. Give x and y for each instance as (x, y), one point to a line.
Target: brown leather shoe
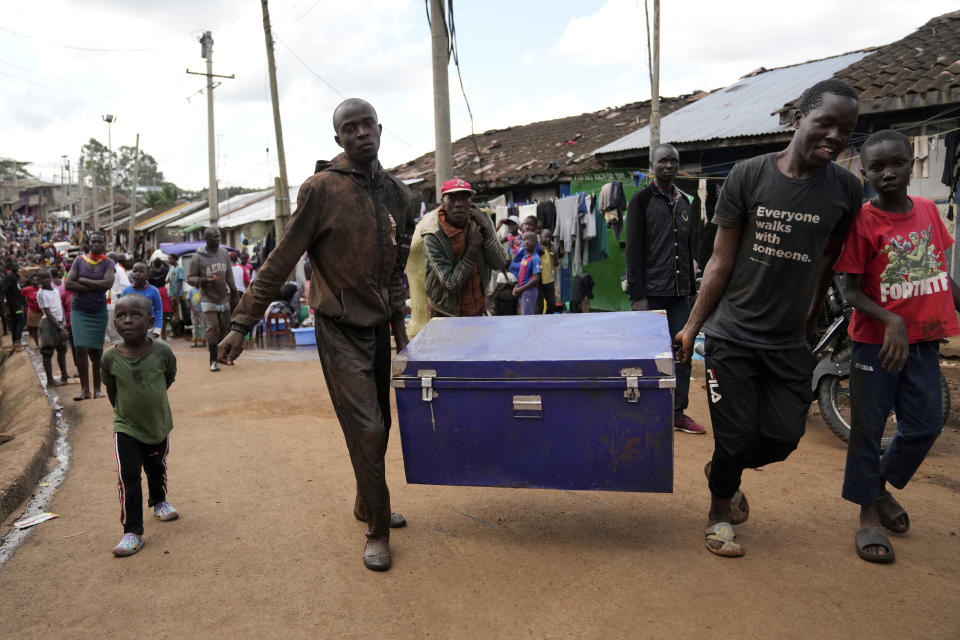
(377, 556)
(397, 521)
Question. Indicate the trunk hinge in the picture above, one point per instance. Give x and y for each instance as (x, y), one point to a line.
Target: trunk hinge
(632, 394)
(426, 383)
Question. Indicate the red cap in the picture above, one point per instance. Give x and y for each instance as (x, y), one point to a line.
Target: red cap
(454, 185)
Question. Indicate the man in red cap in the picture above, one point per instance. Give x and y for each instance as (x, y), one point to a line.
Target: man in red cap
(461, 252)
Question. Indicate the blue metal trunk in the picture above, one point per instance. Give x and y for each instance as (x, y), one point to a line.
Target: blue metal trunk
(567, 401)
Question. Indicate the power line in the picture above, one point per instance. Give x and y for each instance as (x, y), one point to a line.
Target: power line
(69, 46)
(85, 86)
(43, 86)
(334, 89)
(455, 52)
(301, 16)
(307, 67)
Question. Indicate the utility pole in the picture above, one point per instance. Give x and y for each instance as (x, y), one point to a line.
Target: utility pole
(441, 94)
(69, 185)
(206, 51)
(109, 119)
(655, 84)
(282, 191)
(133, 198)
(96, 213)
(83, 197)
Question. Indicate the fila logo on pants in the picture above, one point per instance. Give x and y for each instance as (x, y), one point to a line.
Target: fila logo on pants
(714, 386)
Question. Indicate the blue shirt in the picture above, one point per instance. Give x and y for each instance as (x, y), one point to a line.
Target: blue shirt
(176, 281)
(154, 295)
(533, 266)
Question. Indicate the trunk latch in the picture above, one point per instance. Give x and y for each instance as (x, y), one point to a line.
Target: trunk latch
(426, 383)
(632, 374)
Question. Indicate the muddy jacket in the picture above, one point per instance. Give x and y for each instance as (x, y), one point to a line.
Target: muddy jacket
(446, 275)
(660, 245)
(357, 232)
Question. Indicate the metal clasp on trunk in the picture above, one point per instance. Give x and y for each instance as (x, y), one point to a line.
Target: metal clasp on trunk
(632, 374)
(426, 383)
(527, 407)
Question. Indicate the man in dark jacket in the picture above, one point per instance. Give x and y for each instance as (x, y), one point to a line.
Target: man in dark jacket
(16, 307)
(355, 221)
(660, 272)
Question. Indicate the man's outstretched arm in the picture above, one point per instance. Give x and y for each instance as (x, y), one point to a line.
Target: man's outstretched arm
(716, 277)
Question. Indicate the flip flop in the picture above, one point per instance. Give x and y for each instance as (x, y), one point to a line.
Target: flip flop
(868, 536)
(739, 507)
(722, 532)
(888, 509)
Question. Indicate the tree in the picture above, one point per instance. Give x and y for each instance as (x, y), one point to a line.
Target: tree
(228, 192)
(11, 170)
(163, 198)
(149, 173)
(96, 161)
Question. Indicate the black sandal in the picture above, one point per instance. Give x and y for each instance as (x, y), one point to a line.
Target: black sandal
(873, 536)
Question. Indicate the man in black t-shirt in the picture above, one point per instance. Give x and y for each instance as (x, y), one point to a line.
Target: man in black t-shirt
(781, 221)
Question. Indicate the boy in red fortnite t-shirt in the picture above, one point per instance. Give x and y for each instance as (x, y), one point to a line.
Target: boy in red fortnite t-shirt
(904, 302)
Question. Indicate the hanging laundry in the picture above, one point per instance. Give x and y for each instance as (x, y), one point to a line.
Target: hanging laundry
(547, 214)
(921, 157)
(598, 249)
(527, 210)
(588, 223)
(702, 195)
(582, 293)
(612, 203)
(567, 232)
(952, 146)
(588, 226)
(499, 201)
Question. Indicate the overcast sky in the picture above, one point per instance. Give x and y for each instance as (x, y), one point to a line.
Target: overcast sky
(63, 64)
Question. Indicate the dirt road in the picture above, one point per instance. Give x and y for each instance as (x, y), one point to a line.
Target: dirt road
(267, 546)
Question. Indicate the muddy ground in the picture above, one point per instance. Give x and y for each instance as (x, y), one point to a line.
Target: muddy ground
(267, 546)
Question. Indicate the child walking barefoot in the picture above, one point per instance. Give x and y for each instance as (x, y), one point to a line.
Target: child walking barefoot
(137, 373)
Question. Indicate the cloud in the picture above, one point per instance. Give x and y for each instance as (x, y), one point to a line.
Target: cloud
(707, 45)
(380, 50)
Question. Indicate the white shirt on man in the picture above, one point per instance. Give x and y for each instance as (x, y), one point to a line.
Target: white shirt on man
(238, 278)
(50, 299)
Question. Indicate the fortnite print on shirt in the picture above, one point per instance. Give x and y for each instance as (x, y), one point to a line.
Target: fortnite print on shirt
(771, 226)
(913, 267)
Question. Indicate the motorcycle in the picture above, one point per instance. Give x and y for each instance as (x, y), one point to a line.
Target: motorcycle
(831, 376)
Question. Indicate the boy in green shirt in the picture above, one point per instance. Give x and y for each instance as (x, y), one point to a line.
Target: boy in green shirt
(137, 373)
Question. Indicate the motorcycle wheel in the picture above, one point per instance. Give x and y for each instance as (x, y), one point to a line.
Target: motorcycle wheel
(833, 398)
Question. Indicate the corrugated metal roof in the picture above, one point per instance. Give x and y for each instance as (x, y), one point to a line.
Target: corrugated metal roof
(166, 212)
(124, 222)
(223, 208)
(748, 107)
(263, 210)
(174, 213)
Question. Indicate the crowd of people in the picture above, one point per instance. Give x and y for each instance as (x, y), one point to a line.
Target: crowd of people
(458, 263)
